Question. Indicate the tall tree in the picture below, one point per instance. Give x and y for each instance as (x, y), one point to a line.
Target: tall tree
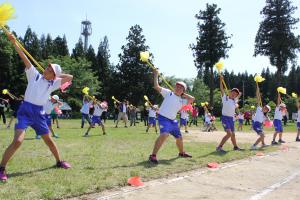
(78, 51)
(135, 78)
(32, 43)
(46, 46)
(275, 38)
(60, 46)
(211, 43)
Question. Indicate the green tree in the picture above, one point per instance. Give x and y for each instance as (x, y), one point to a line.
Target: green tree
(275, 38)
(211, 43)
(134, 77)
(60, 47)
(32, 44)
(78, 51)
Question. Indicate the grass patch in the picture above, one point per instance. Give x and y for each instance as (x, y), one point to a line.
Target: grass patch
(98, 162)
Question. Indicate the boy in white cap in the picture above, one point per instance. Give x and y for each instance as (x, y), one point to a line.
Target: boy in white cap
(31, 113)
(172, 103)
(259, 118)
(152, 117)
(48, 107)
(99, 107)
(228, 111)
(280, 108)
(85, 109)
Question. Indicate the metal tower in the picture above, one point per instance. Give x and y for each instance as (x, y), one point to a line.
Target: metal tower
(86, 31)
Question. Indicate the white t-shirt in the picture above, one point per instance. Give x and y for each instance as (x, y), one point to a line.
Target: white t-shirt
(278, 113)
(48, 107)
(241, 116)
(184, 115)
(207, 118)
(85, 109)
(152, 113)
(38, 88)
(298, 117)
(229, 106)
(97, 110)
(259, 115)
(171, 104)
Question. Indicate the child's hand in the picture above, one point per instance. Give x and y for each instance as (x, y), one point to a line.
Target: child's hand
(155, 72)
(11, 37)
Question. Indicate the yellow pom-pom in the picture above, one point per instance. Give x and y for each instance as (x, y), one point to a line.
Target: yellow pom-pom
(281, 90)
(5, 91)
(6, 13)
(258, 78)
(144, 56)
(294, 95)
(202, 104)
(219, 65)
(85, 90)
(194, 104)
(252, 107)
(146, 104)
(146, 98)
(113, 98)
(206, 103)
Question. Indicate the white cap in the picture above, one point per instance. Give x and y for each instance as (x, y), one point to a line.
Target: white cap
(155, 106)
(55, 97)
(282, 105)
(56, 68)
(269, 108)
(182, 84)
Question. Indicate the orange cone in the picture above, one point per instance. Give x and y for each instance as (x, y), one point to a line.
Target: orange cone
(260, 154)
(213, 165)
(135, 181)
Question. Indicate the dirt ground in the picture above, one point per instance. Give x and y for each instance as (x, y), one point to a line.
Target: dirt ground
(274, 176)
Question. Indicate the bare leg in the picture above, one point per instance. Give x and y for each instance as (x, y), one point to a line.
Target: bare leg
(10, 121)
(233, 140)
(179, 143)
(52, 146)
(57, 124)
(158, 143)
(103, 129)
(51, 130)
(13, 147)
(225, 138)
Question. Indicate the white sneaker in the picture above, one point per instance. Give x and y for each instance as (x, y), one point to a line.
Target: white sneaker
(253, 147)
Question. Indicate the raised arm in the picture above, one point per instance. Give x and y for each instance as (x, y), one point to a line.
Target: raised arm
(258, 97)
(190, 98)
(221, 85)
(156, 84)
(65, 78)
(278, 98)
(26, 61)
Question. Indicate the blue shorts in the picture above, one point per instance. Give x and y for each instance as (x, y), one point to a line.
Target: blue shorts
(278, 125)
(241, 121)
(152, 121)
(183, 122)
(298, 125)
(257, 127)
(32, 115)
(228, 123)
(96, 120)
(48, 119)
(169, 126)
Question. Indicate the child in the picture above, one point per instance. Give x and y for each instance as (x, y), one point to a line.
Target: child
(30, 112)
(184, 118)
(207, 119)
(228, 112)
(123, 112)
(241, 121)
(298, 121)
(152, 117)
(258, 120)
(48, 108)
(172, 103)
(280, 108)
(132, 113)
(85, 109)
(96, 119)
(194, 115)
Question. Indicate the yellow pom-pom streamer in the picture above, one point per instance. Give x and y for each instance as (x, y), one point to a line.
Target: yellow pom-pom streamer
(281, 90)
(144, 57)
(219, 65)
(147, 100)
(5, 91)
(258, 78)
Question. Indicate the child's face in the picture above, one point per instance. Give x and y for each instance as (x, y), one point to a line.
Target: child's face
(265, 109)
(49, 74)
(233, 94)
(179, 90)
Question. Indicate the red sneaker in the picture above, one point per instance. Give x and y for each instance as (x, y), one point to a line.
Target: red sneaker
(63, 164)
(3, 176)
(152, 158)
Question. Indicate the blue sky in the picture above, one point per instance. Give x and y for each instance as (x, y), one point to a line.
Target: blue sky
(168, 25)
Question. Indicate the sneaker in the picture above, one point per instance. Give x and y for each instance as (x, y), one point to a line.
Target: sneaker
(116, 126)
(253, 147)
(274, 143)
(37, 137)
(186, 131)
(55, 135)
(184, 155)
(237, 149)
(220, 150)
(3, 176)
(152, 159)
(281, 141)
(297, 139)
(126, 126)
(63, 164)
(86, 135)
